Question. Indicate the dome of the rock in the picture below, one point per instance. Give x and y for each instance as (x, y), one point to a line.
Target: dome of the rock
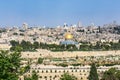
(68, 36)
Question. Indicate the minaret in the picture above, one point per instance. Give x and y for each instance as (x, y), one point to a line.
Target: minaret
(92, 24)
(79, 24)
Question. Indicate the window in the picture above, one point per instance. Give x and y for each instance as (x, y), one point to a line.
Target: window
(37, 71)
(81, 78)
(50, 76)
(75, 70)
(46, 71)
(83, 70)
(72, 71)
(51, 71)
(45, 77)
(55, 71)
(40, 77)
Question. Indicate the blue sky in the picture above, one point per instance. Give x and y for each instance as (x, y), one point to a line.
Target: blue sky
(56, 12)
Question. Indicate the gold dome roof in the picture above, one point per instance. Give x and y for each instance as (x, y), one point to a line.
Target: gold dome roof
(68, 36)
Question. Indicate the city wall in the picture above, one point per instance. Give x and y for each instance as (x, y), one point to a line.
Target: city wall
(46, 53)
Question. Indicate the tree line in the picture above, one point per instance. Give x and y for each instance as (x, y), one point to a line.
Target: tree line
(99, 46)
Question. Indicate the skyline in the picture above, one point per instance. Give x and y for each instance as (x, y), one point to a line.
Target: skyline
(57, 12)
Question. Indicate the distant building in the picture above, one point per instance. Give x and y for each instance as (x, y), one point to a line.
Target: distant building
(25, 26)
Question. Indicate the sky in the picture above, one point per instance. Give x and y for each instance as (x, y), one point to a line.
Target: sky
(57, 12)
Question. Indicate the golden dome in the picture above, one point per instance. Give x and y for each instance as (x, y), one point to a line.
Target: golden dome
(68, 36)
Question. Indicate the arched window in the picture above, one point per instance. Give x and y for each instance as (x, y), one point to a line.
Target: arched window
(51, 71)
(40, 77)
(81, 78)
(55, 71)
(46, 71)
(83, 70)
(72, 71)
(50, 76)
(37, 71)
(75, 70)
(45, 77)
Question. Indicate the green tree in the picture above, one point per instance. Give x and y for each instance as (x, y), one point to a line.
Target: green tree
(33, 77)
(63, 64)
(67, 76)
(93, 73)
(36, 45)
(84, 47)
(9, 65)
(26, 45)
(24, 69)
(14, 43)
(98, 45)
(16, 48)
(118, 75)
(15, 33)
(111, 74)
(40, 60)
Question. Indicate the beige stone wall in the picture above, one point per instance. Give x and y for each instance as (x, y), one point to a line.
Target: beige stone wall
(4, 46)
(45, 53)
(54, 73)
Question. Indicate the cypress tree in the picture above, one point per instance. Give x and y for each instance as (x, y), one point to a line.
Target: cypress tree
(93, 73)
